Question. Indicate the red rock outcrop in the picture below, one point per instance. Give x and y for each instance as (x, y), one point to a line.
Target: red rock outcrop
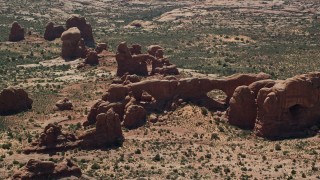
(135, 116)
(72, 44)
(162, 65)
(156, 95)
(135, 49)
(83, 26)
(36, 169)
(132, 64)
(52, 138)
(153, 49)
(133, 61)
(92, 58)
(242, 111)
(289, 108)
(127, 79)
(278, 109)
(106, 132)
(14, 100)
(52, 32)
(101, 47)
(64, 104)
(16, 32)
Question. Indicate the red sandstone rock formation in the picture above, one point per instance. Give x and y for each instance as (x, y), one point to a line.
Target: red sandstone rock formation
(161, 65)
(84, 27)
(92, 58)
(72, 45)
(16, 32)
(14, 100)
(278, 109)
(136, 64)
(36, 169)
(242, 111)
(106, 132)
(135, 49)
(135, 116)
(289, 108)
(64, 104)
(153, 49)
(155, 95)
(52, 138)
(132, 61)
(52, 32)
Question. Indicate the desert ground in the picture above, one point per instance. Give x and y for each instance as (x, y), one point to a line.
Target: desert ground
(204, 38)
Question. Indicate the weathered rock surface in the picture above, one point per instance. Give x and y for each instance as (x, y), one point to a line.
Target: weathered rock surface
(64, 104)
(51, 139)
(278, 109)
(132, 64)
(84, 27)
(101, 47)
(72, 45)
(126, 79)
(156, 95)
(242, 111)
(52, 32)
(289, 108)
(161, 65)
(14, 100)
(36, 169)
(135, 116)
(153, 49)
(16, 32)
(133, 61)
(135, 49)
(107, 131)
(92, 58)
(243, 108)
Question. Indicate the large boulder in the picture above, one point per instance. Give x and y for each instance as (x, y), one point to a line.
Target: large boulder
(135, 116)
(92, 58)
(14, 100)
(52, 32)
(72, 45)
(83, 26)
(36, 169)
(16, 32)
